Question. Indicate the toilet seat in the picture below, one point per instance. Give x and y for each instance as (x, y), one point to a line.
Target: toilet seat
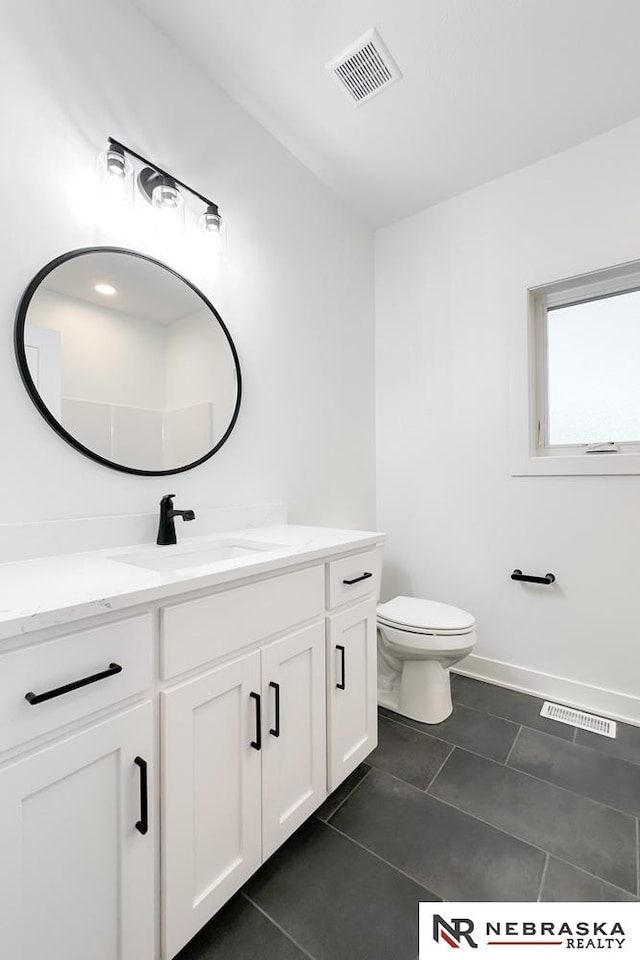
(420, 617)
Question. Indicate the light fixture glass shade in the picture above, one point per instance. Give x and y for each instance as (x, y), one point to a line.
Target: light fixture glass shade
(166, 196)
(167, 199)
(115, 174)
(214, 228)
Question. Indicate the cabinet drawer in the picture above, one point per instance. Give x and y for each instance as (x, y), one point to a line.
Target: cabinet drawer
(354, 569)
(45, 667)
(199, 631)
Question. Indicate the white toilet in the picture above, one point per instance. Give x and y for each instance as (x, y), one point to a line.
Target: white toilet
(418, 640)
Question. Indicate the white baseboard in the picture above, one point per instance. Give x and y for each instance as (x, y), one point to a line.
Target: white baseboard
(610, 703)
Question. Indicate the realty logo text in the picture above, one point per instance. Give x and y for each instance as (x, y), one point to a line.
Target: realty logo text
(581, 935)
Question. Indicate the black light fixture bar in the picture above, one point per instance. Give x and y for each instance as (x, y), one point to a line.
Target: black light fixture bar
(163, 173)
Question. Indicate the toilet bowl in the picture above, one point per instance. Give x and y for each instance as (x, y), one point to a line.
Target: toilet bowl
(418, 641)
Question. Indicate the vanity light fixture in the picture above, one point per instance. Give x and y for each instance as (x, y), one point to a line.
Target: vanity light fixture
(162, 190)
(105, 289)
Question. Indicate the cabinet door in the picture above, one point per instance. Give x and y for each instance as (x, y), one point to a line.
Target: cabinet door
(351, 689)
(210, 795)
(76, 876)
(294, 758)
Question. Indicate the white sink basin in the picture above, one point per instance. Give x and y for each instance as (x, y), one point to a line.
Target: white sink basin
(179, 559)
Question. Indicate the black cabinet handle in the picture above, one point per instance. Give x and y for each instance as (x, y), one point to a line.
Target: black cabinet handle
(257, 743)
(342, 684)
(142, 825)
(275, 731)
(34, 698)
(519, 575)
(365, 576)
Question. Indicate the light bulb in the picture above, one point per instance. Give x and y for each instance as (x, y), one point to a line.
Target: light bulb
(105, 289)
(165, 195)
(115, 172)
(214, 229)
(211, 221)
(117, 164)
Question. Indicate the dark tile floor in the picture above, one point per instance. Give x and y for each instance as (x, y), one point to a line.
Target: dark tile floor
(495, 803)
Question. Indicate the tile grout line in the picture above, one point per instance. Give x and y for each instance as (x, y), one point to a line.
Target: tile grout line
(515, 740)
(342, 802)
(377, 856)
(487, 823)
(637, 893)
(557, 786)
(400, 722)
(525, 773)
(576, 730)
(529, 843)
(277, 925)
(424, 733)
(594, 876)
(543, 877)
(397, 718)
(497, 716)
(439, 770)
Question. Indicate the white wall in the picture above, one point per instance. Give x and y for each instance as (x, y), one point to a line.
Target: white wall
(450, 284)
(296, 292)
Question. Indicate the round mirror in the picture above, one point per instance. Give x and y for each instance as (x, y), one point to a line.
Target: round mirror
(128, 361)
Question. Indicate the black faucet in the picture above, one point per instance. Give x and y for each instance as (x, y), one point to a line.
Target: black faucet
(167, 529)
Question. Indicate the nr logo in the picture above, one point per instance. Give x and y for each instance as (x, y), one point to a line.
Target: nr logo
(453, 932)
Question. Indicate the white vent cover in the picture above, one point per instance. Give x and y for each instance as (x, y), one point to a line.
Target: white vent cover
(365, 68)
(586, 721)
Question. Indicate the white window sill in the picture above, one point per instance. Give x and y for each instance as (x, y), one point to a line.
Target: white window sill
(585, 465)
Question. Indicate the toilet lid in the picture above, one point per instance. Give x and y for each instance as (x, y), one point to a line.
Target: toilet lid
(425, 615)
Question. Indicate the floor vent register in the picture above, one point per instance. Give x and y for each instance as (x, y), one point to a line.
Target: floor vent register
(576, 718)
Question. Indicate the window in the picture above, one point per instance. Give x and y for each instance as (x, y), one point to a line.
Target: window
(586, 334)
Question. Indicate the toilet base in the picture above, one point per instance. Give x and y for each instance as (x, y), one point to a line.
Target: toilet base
(425, 691)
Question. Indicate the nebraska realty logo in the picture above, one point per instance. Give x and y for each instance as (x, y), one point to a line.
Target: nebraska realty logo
(538, 926)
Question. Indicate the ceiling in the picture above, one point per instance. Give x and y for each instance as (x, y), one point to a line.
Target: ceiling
(489, 86)
(143, 289)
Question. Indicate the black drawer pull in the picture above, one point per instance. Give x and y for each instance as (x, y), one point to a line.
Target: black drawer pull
(34, 698)
(275, 731)
(365, 576)
(519, 575)
(343, 682)
(257, 743)
(142, 825)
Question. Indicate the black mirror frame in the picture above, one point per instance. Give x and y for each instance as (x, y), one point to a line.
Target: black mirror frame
(42, 407)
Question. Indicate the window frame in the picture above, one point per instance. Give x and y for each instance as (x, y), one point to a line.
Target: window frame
(589, 292)
(533, 455)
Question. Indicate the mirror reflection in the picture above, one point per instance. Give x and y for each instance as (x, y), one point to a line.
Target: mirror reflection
(131, 361)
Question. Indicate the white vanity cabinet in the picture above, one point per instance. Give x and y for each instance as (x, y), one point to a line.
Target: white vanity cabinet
(244, 764)
(352, 688)
(152, 759)
(76, 873)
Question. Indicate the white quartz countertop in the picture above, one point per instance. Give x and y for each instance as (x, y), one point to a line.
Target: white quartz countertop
(46, 592)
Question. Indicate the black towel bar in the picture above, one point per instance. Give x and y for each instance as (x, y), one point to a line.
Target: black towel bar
(519, 575)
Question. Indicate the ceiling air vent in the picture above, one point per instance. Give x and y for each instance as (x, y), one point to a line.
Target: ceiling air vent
(365, 68)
